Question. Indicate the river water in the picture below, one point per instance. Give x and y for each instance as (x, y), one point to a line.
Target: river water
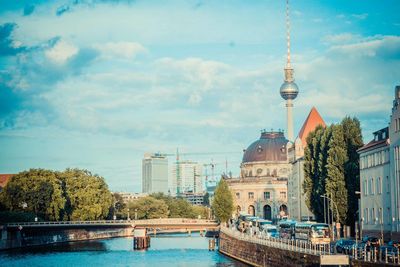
(166, 250)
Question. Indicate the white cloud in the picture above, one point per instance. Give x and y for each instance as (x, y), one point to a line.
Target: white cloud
(61, 52)
(360, 16)
(370, 46)
(128, 50)
(342, 38)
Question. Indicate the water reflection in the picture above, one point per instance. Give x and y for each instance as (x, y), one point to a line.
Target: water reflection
(165, 250)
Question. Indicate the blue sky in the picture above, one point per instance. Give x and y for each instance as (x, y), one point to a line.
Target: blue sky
(95, 84)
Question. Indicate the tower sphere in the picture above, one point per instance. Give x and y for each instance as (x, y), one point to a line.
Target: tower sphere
(289, 90)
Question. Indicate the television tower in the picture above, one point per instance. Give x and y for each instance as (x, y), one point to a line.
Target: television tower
(289, 89)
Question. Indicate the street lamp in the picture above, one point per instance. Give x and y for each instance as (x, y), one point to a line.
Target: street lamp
(128, 215)
(135, 214)
(337, 210)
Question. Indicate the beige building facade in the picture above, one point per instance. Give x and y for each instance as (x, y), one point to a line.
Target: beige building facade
(380, 179)
(375, 204)
(261, 189)
(394, 133)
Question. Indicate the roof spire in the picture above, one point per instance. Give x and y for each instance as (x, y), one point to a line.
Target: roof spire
(288, 68)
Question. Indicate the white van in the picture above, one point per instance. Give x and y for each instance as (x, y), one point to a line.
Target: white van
(270, 231)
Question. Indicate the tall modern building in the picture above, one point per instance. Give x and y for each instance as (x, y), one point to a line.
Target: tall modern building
(289, 89)
(154, 173)
(187, 177)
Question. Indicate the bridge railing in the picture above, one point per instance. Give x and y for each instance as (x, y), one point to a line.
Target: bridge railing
(290, 245)
(163, 221)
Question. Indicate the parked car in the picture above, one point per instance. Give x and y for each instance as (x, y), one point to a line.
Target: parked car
(373, 241)
(391, 252)
(394, 244)
(345, 246)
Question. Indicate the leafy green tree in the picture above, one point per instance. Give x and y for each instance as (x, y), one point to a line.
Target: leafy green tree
(335, 182)
(88, 197)
(353, 139)
(37, 191)
(120, 209)
(178, 207)
(200, 211)
(222, 204)
(206, 199)
(313, 186)
(148, 208)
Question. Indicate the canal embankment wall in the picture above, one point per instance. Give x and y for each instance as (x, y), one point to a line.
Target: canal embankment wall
(265, 253)
(26, 237)
(261, 255)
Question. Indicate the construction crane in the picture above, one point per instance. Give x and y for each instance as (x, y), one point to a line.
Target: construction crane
(177, 163)
(212, 165)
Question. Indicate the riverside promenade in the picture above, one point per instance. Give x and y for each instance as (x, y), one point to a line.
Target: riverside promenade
(261, 251)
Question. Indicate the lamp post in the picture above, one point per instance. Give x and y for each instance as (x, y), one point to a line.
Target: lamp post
(128, 215)
(337, 210)
(135, 214)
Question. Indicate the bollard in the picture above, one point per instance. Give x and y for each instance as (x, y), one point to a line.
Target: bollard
(386, 257)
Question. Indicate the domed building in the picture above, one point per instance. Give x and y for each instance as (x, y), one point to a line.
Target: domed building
(261, 189)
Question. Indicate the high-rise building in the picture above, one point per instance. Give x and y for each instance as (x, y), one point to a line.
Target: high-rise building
(154, 173)
(187, 177)
(289, 89)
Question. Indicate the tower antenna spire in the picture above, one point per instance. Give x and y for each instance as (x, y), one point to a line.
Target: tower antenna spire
(289, 89)
(288, 34)
(288, 67)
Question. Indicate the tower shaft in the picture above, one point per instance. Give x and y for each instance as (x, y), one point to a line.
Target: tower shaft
(289, 108)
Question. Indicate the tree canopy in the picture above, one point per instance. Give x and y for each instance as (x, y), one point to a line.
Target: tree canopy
(331, 168)
(69, 195)
(222, 204)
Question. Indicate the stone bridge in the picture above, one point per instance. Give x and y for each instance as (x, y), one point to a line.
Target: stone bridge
(22, 234)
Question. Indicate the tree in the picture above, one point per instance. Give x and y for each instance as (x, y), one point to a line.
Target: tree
(119, 208)
(200, 211)
(335, 181)
(88, 197)
(149, 208)
(331, 167)
(313, 186)
(222, 204)
(206, 199)
(37, 191)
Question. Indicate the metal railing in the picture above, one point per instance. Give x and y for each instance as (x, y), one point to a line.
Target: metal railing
(286, 244)
(165, 221)
(376, 254)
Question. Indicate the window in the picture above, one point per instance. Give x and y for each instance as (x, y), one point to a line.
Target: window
(251, 195)
(379, 185)
(372, 217)
(259, 171)
(237, 195)
(267, 195)
(372, 187)
(365, 187)
(387, 185)
(282, 194)
(366, 215)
